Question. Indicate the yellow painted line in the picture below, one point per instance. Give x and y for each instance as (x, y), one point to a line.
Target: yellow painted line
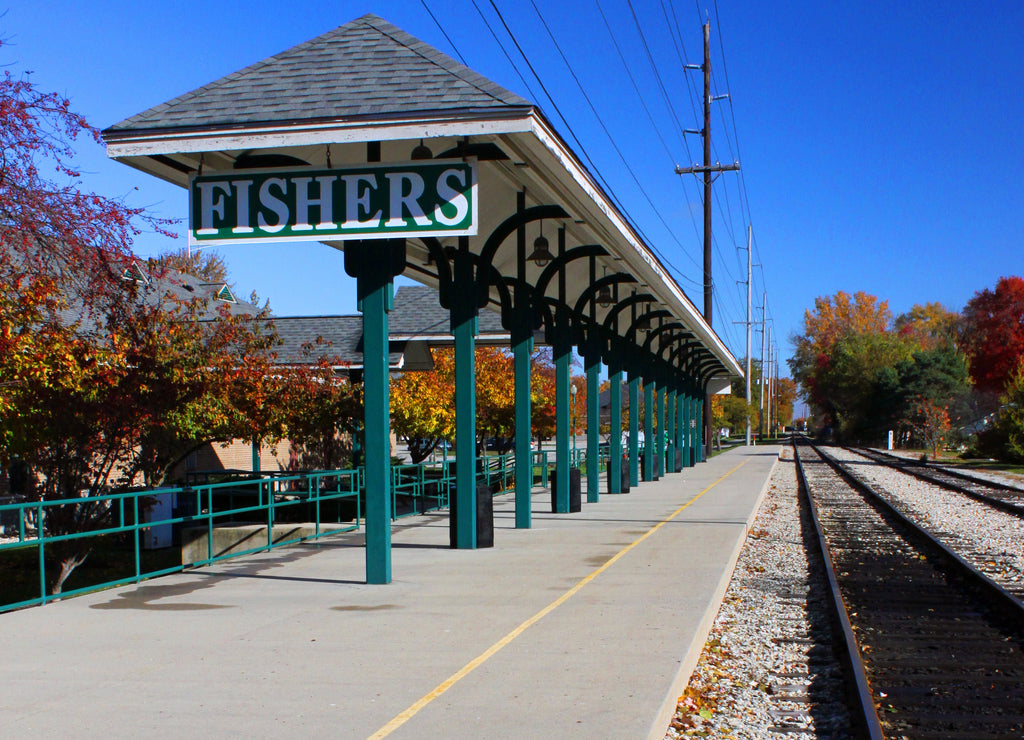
(472, 665)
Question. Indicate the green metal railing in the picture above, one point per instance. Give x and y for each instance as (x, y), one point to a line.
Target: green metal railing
(317, 497)
(419, 488)
(238, 498)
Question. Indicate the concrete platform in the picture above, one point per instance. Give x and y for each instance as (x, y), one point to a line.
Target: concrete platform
(587, 626)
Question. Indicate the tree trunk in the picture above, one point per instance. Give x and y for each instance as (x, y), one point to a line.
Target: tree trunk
(67, 565)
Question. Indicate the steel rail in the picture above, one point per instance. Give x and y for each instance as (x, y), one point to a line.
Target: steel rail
(860, 698)
(996, 593)
(916, 469)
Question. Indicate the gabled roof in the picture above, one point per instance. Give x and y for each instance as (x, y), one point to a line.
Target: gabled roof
(416, 323)
(367, 68)
(418, 314)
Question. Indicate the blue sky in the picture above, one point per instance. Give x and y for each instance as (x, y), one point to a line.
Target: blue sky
(880, 142)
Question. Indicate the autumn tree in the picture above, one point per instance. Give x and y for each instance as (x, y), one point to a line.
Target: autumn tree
(992, 335)
(735, 411)
(929, 422)
(785, 392)
(938, 376)
(849, 377)
(423, 405)
(577, 404)
(846, 341)
(322, 413)
(495, 395)
(929, 326)
(106, 381)
(62, 252)
(542, 394)
(201, 263)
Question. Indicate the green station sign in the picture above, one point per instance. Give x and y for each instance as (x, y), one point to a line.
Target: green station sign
(371, 201)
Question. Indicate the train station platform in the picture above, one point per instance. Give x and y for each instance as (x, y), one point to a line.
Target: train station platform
(586, 625)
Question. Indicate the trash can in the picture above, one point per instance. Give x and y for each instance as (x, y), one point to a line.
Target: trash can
(575, 491)
(484, 515)
(678, 461)
(623, 475)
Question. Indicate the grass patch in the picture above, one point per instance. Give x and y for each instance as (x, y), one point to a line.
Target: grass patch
(111, 558)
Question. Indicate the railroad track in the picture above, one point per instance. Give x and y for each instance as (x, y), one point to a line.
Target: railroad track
(985, 532)
(998, 495)
(940, 646)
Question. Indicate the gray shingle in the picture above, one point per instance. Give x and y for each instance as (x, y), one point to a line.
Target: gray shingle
(366, 67)
(416, 314)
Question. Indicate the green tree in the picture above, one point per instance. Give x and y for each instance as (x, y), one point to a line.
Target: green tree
(849, 378)
(938, 376)
(1009, 428)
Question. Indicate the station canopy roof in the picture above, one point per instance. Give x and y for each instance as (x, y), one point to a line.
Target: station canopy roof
(368, 81)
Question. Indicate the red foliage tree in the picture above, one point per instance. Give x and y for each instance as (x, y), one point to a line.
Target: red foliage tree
(993, 334)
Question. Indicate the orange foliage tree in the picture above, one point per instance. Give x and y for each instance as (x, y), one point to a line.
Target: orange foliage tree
(845, 341)
(929, 326)
(322, 412)
(929, 422)
(423, 405)
(542, 394)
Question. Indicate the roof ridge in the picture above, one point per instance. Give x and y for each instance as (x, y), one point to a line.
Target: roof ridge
(384, 33)
(451, 66)
(266, 62)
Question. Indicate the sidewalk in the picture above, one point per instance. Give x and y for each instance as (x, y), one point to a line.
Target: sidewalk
(586, 625)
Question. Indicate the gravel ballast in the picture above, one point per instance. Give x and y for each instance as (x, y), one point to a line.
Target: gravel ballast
(767, 669)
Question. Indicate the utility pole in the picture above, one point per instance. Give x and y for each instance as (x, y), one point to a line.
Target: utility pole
(768, 387)
(778, 393)
(709, 172)
(760, 416)
(750, 232)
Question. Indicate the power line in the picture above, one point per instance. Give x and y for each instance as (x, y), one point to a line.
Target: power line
(611, 139)
(501, 46)
(444, 33)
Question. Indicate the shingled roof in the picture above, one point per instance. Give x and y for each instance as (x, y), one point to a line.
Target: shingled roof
(367, 68)
(416, 323)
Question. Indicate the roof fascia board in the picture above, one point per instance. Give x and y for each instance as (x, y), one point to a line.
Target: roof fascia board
(448, 338)
(656, 276)
(192, 140)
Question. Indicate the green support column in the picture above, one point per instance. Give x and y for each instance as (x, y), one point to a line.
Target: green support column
(670, 431)
(634, 430)
(687, 431)
(649, 442)
(374, 264)
(593, 362)
(681, 423)
(700, 443)
(521, 351)
(615, 429)
(563, 357)
(659, 463)
(463, 317)
(562, 350)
